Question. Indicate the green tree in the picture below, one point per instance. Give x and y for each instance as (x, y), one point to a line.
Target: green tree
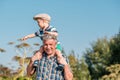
(114, 62)
(98, 57)
(114, 72)
(79, 67)
(115, 49)
(104, 54)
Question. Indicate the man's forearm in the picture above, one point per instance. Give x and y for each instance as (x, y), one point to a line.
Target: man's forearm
(68, 73)
(30, 69)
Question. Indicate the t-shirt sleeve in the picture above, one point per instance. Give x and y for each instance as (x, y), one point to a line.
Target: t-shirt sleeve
(37, 33)
(53, 29)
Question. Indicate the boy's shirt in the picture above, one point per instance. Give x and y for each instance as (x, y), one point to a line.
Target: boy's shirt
(40, 33)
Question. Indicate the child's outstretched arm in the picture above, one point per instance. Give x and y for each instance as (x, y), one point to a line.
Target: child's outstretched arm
(28, 36)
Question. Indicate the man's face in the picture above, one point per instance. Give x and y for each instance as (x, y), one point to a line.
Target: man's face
(49, 46)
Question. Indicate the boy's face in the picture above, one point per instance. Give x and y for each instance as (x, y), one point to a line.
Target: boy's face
(40, 23)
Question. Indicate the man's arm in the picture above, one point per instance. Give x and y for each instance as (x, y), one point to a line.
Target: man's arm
(67, 71)
(30, 69)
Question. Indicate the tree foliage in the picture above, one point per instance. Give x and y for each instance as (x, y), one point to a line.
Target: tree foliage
(102, 55)
(98, 57)
(79, 67)
(115, 49)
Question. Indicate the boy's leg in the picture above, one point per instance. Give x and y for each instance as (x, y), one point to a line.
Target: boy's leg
(38, 54)
(58, 50)
(58, 47)
(58, 53)
(41, 50)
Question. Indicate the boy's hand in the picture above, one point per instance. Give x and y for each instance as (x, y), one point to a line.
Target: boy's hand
(46, 32)
(24, 38)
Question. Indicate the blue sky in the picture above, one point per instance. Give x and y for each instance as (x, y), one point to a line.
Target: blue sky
(79, 22)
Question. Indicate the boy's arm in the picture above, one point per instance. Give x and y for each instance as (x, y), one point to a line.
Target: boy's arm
(52, 33)
(28, 36)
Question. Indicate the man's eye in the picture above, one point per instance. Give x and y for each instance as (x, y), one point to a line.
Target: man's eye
(50, 44)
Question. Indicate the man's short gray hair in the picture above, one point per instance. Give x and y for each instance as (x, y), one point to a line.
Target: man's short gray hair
(48, 36)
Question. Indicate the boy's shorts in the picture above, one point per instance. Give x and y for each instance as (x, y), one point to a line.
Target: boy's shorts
(58, 47)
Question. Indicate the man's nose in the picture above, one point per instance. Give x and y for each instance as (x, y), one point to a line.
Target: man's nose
(48, 46)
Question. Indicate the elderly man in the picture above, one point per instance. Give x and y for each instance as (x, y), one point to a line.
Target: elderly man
(48, 67)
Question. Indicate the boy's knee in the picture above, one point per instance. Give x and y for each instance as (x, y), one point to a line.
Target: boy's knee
(58, 53)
